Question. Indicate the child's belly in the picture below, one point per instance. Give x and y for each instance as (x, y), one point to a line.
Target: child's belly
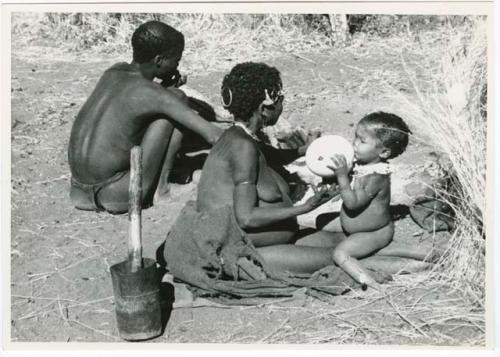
(376, 216)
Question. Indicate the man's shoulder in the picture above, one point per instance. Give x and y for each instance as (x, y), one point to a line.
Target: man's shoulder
(120, 66)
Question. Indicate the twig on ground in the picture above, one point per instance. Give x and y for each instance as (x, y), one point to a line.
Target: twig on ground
(63, 316)
(404, 318)
(42, 298)
(93, 329)
(62, 177)
(36, 312)
(303, 58)
(263, 339)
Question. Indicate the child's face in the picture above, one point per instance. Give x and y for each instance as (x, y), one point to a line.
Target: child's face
(367, 147)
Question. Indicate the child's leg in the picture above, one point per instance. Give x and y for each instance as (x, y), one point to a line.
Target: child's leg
(360, 245)
(114, 197)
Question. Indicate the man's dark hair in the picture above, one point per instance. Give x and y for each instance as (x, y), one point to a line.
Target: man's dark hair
(156, 38)
(243, 89)
(390, 129)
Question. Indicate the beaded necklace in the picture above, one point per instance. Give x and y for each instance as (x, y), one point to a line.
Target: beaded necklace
(246, 130)
(381, 168)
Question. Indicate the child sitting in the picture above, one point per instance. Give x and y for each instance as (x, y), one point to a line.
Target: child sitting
(365, 216)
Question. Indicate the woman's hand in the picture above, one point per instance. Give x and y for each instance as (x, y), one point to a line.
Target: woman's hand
(311, 136)
(339, 165)
(322, 194)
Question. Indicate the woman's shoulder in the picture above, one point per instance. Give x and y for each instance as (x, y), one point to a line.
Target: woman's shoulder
(237, 137)
(235, 146)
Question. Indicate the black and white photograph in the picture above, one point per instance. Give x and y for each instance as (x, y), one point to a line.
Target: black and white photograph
(250, 178)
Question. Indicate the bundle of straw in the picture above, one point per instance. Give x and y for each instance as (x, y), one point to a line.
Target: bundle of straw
(449, 113)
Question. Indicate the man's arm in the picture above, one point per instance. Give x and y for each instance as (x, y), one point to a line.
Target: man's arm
(179, 111)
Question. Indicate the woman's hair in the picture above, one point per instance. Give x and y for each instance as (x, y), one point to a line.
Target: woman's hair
(245, 88)
(390, 129)
(156, 38)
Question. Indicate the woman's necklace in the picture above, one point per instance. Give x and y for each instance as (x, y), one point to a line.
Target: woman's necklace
(246, 130)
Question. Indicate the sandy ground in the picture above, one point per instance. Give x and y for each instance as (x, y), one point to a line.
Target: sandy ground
(60, 257)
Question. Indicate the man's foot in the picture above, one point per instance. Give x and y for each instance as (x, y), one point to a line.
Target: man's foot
(162, 192)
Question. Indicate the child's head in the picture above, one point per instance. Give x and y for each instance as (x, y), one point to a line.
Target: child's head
(155, 40)
(380, 136)
(249, 85)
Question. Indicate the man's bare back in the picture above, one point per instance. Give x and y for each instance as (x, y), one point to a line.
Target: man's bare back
(128, 108)
(110, 123)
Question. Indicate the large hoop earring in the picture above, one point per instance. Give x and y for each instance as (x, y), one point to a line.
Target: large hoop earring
(224, 104)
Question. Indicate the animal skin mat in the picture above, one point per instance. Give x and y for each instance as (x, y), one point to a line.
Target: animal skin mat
(211, 253)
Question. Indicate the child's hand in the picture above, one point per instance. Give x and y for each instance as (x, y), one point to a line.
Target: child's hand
(322, 194)
(339, 165)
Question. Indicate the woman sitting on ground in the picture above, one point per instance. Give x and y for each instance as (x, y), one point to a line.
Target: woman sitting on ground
(237, 173)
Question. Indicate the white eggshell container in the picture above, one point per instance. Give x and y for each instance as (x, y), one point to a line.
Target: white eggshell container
(321, 150)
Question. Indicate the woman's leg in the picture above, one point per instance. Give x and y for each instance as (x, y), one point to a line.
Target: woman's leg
(296, 259)
(321, 239)
(423, 251)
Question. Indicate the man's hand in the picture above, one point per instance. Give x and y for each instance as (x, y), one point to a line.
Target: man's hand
(176, 80)
(339, 165)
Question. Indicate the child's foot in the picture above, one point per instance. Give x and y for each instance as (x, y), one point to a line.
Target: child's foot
(367, 281)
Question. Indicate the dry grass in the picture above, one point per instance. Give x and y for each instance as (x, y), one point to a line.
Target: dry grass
(448, 111)
(214, 41)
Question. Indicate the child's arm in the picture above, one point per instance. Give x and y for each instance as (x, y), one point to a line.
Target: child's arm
(362, 196)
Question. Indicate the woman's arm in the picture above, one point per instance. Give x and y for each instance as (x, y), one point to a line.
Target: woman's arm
(245, 168)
